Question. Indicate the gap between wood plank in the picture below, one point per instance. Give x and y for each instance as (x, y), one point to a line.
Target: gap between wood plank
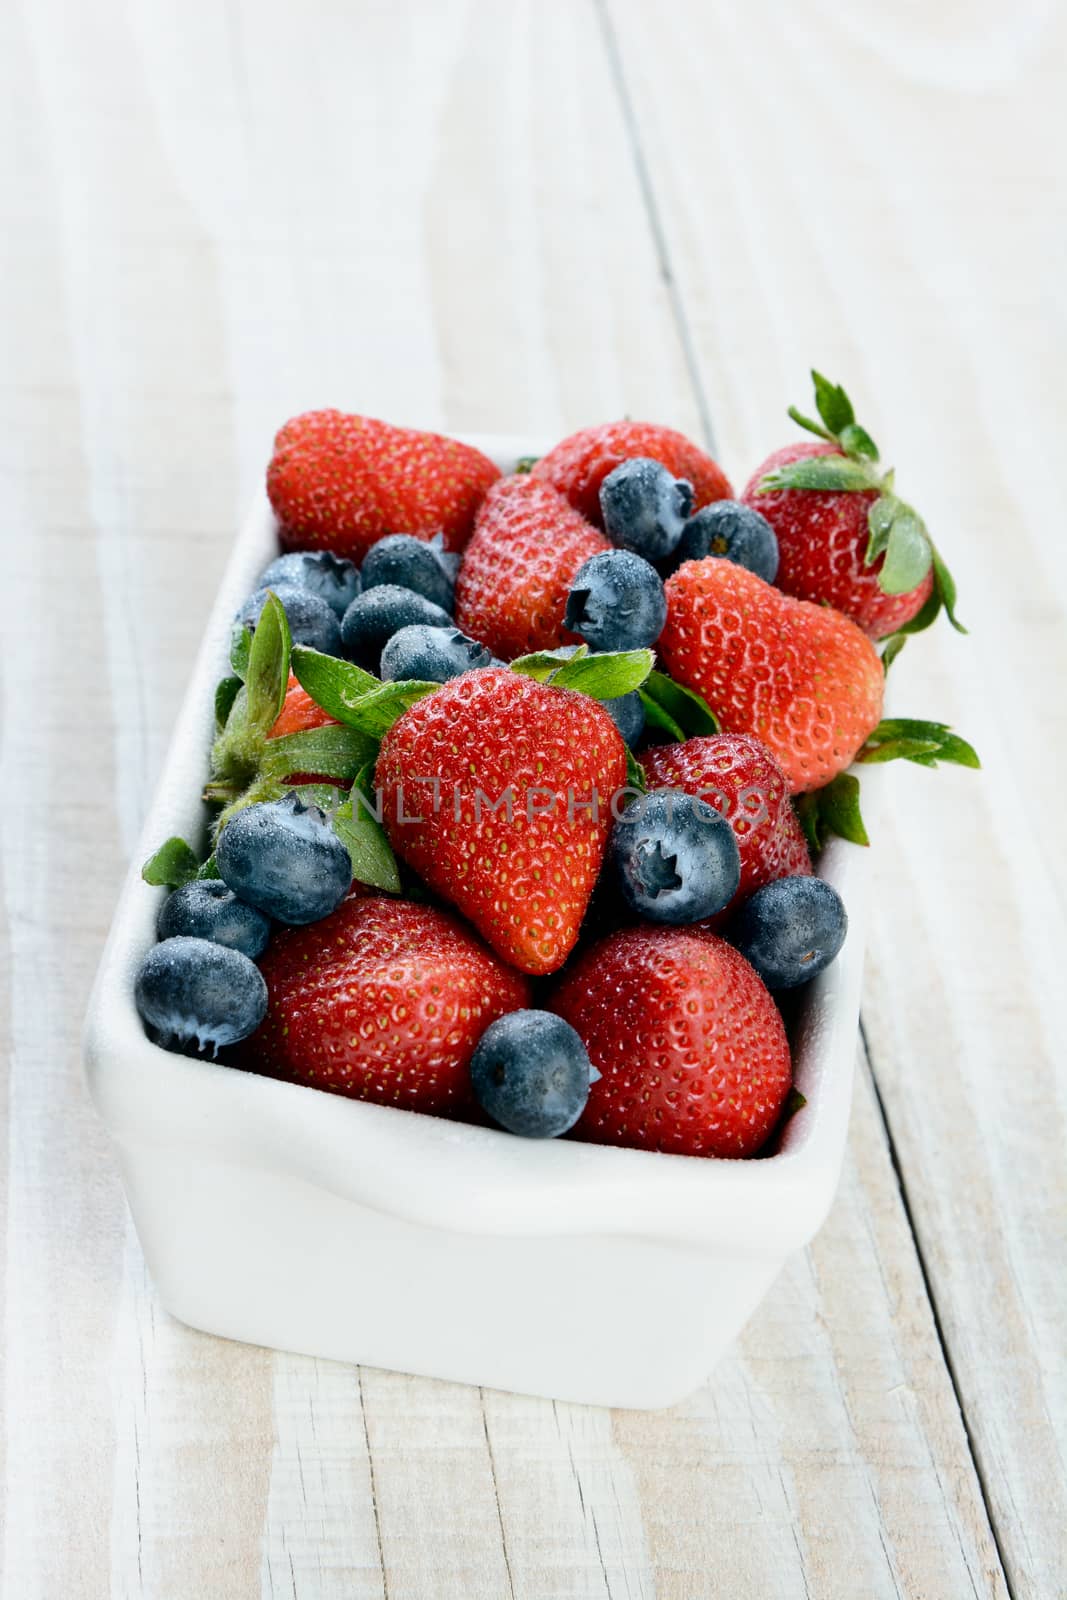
(655, 223)
(692, 363)
(931, 1297)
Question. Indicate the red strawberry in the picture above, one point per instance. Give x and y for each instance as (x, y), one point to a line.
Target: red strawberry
(822, 540)
(802, 678)
(339, 482)
(518, 568)
(546, 755)
(691, 1049)
(578, 465)
(845, 537)
(741, 779)
(382, 1000)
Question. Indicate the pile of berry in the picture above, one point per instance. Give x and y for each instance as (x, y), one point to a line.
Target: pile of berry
(518, 780)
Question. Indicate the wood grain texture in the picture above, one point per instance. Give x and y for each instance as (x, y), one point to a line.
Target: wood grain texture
(509, 216)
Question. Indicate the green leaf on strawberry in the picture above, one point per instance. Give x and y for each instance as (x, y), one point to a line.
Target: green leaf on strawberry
(834, 809)
(175, 863)
(945, 589)
(794, 1103)
(635, 773)
(908, 553)
(681, 712)
(240, 648)
(857, 442)
(336, 686)
(267, 677)
(356, 698)
(543, 663)
(893, 646)
(330, 752)
(838, 425)
(376, 712)
(833, 404)
(604, 676)
(226, 692)
(827, 473)
(357, 824)
(927, 743)
(657, 716)
(880, 525)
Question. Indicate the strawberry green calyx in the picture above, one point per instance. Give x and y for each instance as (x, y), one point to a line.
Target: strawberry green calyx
(926, 743)
(835, 809)
(226, 692)
(176, 863)
(897, 533)
(336, 686)
(356, 698)
(675, 710)
(246, 711)
(606, 675)
(894, 644)
(358, 824)
(635, 774)
(247, 765)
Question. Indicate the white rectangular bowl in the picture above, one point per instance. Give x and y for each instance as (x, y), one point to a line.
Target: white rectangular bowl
(285, 1216)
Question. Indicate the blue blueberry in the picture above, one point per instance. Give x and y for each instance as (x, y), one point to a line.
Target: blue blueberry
(644, 507)
(311, 621)
(206, 909)
(616, 602)
(378, 613)
(628, 714)
(410, 563)
(790, 930)
(432, 654)
(732, 530)
(531, 1073)
(283, 857)
(320, 572)
(195, 996)
(675, 858)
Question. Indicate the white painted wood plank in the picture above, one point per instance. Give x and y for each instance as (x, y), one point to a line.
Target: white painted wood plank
(887, 202)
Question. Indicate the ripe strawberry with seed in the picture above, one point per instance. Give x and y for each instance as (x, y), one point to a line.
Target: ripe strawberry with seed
(845, 538)
(527, 546)
(578, 465)
(801, 678)
(382, 1000)
(690, 1048)
(497, 789)
(738, 775)
(340, 482)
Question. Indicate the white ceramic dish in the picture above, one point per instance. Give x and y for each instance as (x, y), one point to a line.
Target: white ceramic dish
(285, 1216)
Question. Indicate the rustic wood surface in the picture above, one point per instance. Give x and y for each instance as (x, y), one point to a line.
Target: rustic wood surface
(488, 214)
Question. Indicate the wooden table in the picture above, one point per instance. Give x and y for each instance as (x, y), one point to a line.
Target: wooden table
(522, 216)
